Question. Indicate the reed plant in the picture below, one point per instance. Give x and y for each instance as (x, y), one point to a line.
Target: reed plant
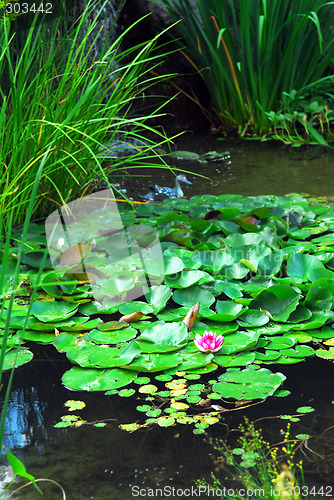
(58, 94)
(250, 53)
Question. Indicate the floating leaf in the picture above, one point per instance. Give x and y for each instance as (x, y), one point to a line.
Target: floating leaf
(143, 408)
(158, 297)
(248, 383)
(16, 358)
(92, 379)
(154, 362)
(165, 421)
(163, 338)
(303, 436)
(141, 380)
(53, 311)
(126, 393)
(123, 335)
(279, 300)
(74, 405)
(148, 389)
(129, 427)
(305, 409)
(179, 406)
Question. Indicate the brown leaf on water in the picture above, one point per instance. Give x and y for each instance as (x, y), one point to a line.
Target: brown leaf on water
(133, 317)
(191, 316)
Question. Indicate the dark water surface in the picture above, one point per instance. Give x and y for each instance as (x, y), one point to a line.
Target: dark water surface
(105, 463)
(254, 168)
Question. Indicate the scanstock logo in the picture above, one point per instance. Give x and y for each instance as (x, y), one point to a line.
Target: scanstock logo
(88, 242)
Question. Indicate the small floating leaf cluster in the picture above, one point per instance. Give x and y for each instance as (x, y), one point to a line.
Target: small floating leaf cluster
(262, 269)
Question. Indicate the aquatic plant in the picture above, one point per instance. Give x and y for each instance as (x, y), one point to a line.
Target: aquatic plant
(264, 285)
(252, 55)
(48, 84)
(258, 467)
(208, 342)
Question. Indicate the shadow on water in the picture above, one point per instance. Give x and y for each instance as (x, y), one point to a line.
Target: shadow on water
(105, 463)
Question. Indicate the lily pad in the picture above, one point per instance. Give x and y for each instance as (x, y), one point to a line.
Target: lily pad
(279, 300)
(155, 362)
(112, 337)
(53, 311)
(17, 357)
(83, 379)
(248, 383)
(163, 338)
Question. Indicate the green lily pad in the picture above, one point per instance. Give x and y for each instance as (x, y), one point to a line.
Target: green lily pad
(278, 343)
(112, 337)
(135, 306)
(279, 300)
(158, 297)
(252, 318)
(163, 338)
(195, 360)
(92, 379)
(190, 296)
(248, 383)
(41, 338)
(301, 265)
(305, 409)
(155, 362)
(227, 310)
(239, 341)
(53, 311)
(240, 359)
(326, 354)
(64, 341)
(90, 355)
(301, 351)
(17, 357)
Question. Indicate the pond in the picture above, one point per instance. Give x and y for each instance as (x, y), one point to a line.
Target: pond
(104, 463)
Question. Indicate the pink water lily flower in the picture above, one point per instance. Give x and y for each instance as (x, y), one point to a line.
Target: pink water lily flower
(208, 342)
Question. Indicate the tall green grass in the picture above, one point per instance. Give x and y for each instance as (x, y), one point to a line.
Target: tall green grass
(58, 94)
(250, 53)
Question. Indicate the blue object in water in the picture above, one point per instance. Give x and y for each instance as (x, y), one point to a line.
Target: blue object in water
(161, 193)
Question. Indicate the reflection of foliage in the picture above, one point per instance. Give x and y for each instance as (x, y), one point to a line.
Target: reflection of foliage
(254, 464)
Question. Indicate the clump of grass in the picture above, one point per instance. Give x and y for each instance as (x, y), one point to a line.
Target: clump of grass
(58, 95)
(250, 53)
